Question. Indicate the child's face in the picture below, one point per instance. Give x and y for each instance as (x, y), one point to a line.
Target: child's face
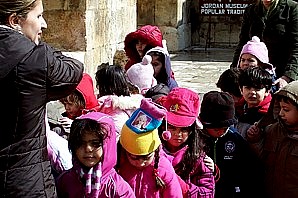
(179, 135)
(140, 46)
(289, 114)
(72, 109)
(90, 152)
(248, 60)
(140, 161)
(253, 96)
(157, 65)
(217, 132)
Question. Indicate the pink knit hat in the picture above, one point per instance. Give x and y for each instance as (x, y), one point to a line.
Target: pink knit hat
(258, 49)
(141, 74)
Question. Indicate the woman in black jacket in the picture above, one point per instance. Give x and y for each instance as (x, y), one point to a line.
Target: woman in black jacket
(275, 22)
(31, 74)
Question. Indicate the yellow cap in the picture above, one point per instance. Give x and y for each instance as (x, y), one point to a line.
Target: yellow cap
(139, 143)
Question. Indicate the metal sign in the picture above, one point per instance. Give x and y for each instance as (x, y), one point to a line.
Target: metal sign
(223, 7)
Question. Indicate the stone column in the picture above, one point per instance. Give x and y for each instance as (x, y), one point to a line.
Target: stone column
(89, 30)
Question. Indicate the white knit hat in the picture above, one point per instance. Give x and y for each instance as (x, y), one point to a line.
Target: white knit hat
(141, 74)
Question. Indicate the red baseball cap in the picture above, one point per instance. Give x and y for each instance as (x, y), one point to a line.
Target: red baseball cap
(183, 107)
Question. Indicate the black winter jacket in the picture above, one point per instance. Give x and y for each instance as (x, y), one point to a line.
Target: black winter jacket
(241, 174)
(279, 32)
(30, 76)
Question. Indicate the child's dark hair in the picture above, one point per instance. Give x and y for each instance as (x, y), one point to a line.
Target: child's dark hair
(110, 80)
(286, 99)
(194, 151)
(79, 127)
(76, 98)
(160, 184)
(255, 77)
(228, 82)
(162, 76)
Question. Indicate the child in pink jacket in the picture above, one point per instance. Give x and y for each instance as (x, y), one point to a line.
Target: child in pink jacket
(142, 163)
(114, 97)
(93, 145)
(184, 144)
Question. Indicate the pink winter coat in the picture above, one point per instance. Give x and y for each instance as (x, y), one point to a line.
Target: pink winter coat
(201, 182)
(119, 108)
(70, 185)
(143, 182)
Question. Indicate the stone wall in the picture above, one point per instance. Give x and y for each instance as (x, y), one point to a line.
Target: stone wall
(216, 30)
(91, 30)
(171, 16)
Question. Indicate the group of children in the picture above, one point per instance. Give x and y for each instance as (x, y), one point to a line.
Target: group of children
(159, 140)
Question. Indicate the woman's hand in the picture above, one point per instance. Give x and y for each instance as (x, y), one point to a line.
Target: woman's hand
(209, 163)
(66, 123)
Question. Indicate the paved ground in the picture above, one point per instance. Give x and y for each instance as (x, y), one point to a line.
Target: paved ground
(199, 69)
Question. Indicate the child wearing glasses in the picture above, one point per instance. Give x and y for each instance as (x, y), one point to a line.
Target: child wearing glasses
(141, 161)
(92, 142)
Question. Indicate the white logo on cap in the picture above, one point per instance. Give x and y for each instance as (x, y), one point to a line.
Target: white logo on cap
(230, 146)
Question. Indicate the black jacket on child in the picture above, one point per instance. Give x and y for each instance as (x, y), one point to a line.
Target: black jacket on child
(240, 172)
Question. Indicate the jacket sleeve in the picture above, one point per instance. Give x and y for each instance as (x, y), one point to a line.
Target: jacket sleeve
(64, 73)
(258, 144)
(253, 176)
(167, 173)
(123, 189)
(202, 182)
(243, 36)
(291, 69)
(184, 186)
(173, 188)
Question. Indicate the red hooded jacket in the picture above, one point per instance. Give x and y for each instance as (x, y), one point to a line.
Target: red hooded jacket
(151, 35)
(85, 87)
